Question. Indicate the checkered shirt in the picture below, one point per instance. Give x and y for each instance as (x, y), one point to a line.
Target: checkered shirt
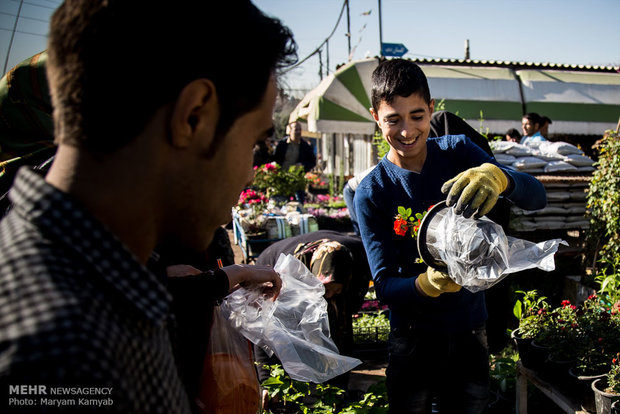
(78, 309)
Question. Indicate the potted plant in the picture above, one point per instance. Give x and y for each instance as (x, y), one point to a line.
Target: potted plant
(532, 312)
(564, 339)
(279, 184)
(607, 389)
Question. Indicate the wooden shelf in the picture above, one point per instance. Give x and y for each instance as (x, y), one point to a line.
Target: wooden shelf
(555, 394)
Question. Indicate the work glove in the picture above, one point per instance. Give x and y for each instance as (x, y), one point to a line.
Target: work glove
(475, 190)
(433, 283)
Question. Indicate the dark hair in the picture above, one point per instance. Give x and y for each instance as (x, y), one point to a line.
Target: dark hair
(513, 133)
(398, 77)
(545, 119)
(533, 117)
(113, 64)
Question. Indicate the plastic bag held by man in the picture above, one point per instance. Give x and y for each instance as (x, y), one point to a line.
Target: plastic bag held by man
(229, 384)
(478, 254)
(295, 326)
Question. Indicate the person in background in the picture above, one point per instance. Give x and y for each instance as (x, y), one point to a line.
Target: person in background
(348, 194)
(26, 126)
(294, 150)
(339, 261)
(544, 126)
(512, 135)
(80, 307)
(437, 344)
(530, 124)
(263, 153)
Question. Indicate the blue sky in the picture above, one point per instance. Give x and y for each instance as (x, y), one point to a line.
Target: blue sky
(558, 31)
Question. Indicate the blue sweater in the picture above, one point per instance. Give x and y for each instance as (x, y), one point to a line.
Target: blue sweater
(392, 257)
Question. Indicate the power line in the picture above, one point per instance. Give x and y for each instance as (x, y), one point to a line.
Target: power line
(8, 52)
(25, 17)
(321, 45)
(19, 31)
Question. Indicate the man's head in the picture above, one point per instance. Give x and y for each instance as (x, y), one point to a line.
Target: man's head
(294, 131)
(173, 89)
(545, 121)
(512, 135)
(114, 63)
(530, 123)
(330, 261)
(402, 107)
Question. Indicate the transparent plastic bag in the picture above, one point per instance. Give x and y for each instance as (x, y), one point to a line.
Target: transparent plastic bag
(295, 326)
(229, 384)
(479, 254)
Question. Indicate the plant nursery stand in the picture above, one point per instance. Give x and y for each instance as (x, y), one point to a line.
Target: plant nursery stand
(552, 392)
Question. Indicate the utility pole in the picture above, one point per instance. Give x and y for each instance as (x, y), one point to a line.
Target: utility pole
(320, 65)
(348, 28)
(327, 57)
(380, 32)
(466, 49)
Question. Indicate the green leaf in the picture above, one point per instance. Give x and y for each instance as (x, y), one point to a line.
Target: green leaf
(517, 310)
(401, 211)
(272, 381)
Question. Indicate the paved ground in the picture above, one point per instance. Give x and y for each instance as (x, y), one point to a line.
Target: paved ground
(373, 366)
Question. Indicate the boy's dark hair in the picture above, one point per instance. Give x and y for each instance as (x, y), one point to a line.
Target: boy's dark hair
(398, 77)
(533, 117)
(113, 64)
(513, 133)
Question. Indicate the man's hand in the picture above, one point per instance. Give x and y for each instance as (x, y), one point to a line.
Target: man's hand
(475, 190)
(433, 283)
(249, 276)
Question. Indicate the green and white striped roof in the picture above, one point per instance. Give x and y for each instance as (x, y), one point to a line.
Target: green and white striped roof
(577, 102)
(341, 102)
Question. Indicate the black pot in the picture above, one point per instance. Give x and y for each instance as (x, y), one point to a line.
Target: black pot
(556, 370)
(581, 387)
(602, 399)
(538, 356)
(524, 348)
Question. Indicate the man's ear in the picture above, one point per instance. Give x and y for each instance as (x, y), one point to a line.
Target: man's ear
(195, 111)
(375, 116)
(431, 106)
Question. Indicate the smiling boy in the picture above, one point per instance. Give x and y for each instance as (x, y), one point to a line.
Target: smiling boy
(437, 345)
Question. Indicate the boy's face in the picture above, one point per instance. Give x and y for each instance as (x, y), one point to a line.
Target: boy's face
(529, 128)
(405, 124)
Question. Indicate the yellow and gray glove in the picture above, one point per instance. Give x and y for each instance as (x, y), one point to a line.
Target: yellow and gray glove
(433, 283)
(475, 190)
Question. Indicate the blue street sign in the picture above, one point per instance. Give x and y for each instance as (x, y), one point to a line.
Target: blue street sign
(393, 49)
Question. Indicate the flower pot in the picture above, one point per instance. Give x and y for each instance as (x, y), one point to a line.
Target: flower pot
(524, 348)
(602, 399)
(615, 407)
(581, 387)
(556, 370)
(538, 356)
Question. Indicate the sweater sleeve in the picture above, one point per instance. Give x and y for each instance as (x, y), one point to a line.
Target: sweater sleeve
(209, 286)
(524, 190)
(527, 192)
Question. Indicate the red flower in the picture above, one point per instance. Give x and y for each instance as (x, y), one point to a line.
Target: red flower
(400, 227)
